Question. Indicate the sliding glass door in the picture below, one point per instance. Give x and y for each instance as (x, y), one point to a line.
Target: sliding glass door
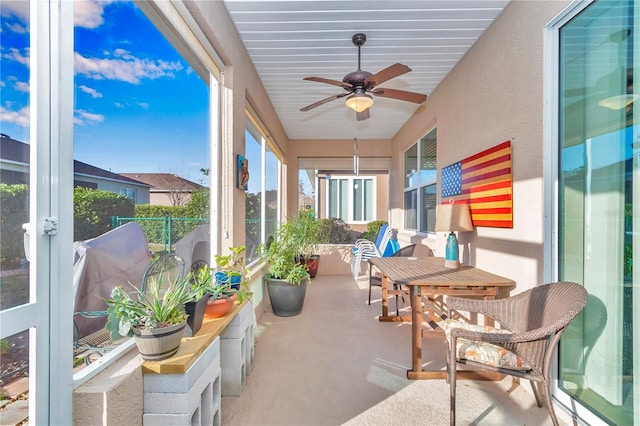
(599, 192)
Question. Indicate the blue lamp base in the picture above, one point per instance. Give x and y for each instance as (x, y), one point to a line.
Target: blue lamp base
(451, 254)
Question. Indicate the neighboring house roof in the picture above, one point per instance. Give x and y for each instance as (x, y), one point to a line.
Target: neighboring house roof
(165, 182)
(16, 151)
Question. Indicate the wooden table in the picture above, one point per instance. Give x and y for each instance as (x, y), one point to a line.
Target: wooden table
(428, 276)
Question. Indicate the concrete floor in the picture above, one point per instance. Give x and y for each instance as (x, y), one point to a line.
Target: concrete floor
(336, 364)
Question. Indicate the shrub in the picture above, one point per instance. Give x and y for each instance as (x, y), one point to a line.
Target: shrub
(373, 228)
(14, 210)
(93, 209)
(334, 231)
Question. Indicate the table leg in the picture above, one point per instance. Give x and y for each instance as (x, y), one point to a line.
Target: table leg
(385, 296)
(416, 331)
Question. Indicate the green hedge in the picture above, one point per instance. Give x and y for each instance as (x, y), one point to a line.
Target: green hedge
(373, 228)
(93, 209)
(14, 211)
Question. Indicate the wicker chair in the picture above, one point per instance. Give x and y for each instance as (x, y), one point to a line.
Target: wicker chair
(531, 325)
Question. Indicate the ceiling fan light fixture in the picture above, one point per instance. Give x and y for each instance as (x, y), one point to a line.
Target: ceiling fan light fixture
(619, 101)
(359, 102)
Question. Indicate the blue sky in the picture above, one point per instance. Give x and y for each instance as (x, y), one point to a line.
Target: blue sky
(139, 106)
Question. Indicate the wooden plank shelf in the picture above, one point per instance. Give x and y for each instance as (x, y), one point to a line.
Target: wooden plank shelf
(192, 347)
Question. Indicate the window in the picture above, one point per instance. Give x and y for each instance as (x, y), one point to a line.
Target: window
(352, 199)
(262, 197)
(420, 181)
(129, 193)
(143, 89)
(598, 177)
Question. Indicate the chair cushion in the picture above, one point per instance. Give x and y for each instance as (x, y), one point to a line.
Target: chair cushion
(391, 248)
(483, 352)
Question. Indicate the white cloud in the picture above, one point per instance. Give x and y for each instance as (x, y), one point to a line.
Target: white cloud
(19, 9)
(83, 117)
(2, 84)
(22, 86)
(21, 117)
(125, 67)
(17, 27)
(88, 13)
(118, 105)
(93, 92)
(15, 55)
(143, 105)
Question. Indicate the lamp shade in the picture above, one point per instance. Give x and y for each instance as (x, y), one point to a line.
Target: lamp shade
(359, 102)
(453, 217)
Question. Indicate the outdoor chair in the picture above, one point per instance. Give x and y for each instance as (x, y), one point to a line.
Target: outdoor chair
(168, 266)
(413, 250)
(531, 324)
(364, 249)
(96, 344)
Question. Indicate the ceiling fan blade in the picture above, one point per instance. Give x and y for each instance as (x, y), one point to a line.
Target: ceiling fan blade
(386, 74)
(402, 95)
(323, 101)
(362, 115)
(329, 81)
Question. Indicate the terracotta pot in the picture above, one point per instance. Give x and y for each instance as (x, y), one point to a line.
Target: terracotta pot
(159, 343)
(217, 308)
(311, 264)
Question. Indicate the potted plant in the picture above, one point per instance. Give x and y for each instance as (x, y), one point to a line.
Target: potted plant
(286, 278)
(231, 267)
(303, 231)
(229, 284)
(200, 283)
(156, 318)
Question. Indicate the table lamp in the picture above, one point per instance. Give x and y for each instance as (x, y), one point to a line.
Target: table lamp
(452, 217)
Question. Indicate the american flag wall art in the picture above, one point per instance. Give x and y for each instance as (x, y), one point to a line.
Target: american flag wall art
(484, 182)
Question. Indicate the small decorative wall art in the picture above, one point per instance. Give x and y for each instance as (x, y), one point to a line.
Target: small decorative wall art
(484, 182)
(243, 172)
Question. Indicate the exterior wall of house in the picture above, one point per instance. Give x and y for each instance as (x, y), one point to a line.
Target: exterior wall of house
(142, 192)
(494, 94)
(164, 199)
(382, 197)
(338, 150)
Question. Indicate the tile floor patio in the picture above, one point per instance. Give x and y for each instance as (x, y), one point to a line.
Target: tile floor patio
(336, 364)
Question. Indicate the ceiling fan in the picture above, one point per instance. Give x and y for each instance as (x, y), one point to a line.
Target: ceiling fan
(358, 84)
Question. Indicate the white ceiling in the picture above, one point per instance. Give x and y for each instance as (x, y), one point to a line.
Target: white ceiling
(292, 39)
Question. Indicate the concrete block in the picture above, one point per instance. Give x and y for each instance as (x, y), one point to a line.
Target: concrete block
(237, 327)
(250, 350)
(182, 383)
(181, 402)
(233, 365)
(112, 397)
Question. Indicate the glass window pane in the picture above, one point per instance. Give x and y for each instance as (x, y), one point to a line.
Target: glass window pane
(272, 168)
(428, 166)
(344, 200)
(368, 200)
(253, 215)
(410, 209)
(15, 148)
(428, 211)
(306, 189)
(333, 197)
(599, 180)
(411, 166)
(358, 194)
(14, 378)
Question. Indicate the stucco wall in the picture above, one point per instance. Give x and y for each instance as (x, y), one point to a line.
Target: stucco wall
(495, 93)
